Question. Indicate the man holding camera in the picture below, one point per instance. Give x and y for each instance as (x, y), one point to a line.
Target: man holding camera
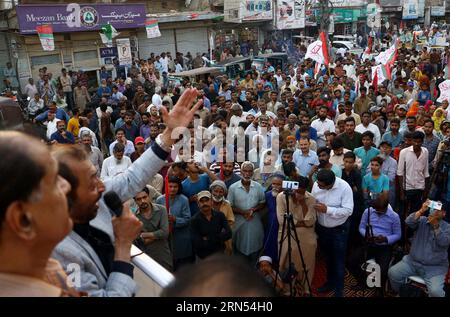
(381, 228)
(428, 257)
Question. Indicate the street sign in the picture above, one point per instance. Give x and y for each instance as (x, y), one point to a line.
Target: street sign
(124, 51)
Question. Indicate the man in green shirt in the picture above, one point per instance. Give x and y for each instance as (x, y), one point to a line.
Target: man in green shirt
(350, 137)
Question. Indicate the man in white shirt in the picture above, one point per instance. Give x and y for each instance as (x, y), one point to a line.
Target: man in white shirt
(238, 116)
(366, 125)
(120, 138)
(35, 105)
(156, 98)
(413, 173)
(51, 124)
(164, 60)
(30, 88)
(263, 110)
(334, 205)
(323, 125)
(115, 164)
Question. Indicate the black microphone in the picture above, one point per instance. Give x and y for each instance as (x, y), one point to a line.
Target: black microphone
(112, 200)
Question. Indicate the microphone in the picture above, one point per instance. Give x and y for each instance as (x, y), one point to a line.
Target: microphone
(112, 200)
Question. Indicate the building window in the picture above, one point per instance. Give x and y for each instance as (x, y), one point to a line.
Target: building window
(45, 60)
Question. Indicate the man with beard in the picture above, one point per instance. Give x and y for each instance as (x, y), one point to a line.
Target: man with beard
(100, 243)
(155, 229)
(247, 199)
(115, 164)
(324, 163)
(209, 228)
(323, 125)
(227, 173)
(219, 191)
(61, 135)
(95, 155)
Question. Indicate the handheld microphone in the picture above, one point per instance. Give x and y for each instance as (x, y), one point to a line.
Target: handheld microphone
(112, 200)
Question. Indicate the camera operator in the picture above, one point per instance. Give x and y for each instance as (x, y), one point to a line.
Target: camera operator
(428, 257)
(100, 243)
(441, 166)
(301, 206)
(334, 206)
(380, 227)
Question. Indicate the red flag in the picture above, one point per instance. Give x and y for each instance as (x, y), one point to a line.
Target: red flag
(370, 44)
(193, 15)
(324, 39)
(166, 194)
(222, 175)
(375, 82)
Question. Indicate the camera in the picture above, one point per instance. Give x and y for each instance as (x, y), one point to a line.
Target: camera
(289, 185)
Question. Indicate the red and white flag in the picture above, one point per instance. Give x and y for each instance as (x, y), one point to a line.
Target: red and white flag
(45, 33)
(380, 73)
(318, 50)
(389, 56)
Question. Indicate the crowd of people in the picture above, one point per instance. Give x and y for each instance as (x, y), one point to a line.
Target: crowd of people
(369, 161)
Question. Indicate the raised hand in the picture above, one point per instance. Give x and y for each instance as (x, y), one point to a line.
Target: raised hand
(181, 114)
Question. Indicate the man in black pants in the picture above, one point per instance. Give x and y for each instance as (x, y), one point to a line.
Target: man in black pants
(384, 230)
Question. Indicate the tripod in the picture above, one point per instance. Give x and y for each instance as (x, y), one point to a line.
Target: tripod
(286, 233)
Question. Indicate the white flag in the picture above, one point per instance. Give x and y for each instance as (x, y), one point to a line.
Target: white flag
(315, 52)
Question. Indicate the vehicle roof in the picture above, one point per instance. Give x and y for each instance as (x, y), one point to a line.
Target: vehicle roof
(302, 37)
(343, 42)
(231, 61)
(8, 101)
(197, 71)
(272, 55)
(343, 36)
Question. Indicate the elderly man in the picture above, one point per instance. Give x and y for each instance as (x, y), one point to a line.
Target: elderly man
(95, 155)
(247, 199)
(34, 216)
(115, 164)
(428, 257)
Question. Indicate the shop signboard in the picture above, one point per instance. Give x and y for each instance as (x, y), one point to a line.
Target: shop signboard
(80, 17)
(290, 14)
(410, 9)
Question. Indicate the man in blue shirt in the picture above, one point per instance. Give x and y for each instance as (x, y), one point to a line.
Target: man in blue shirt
(428, 257)
(305, 159)
(393, 136)
(60, 113)
(61, 135)
(195, 183)
(367, 151)
(385, 230)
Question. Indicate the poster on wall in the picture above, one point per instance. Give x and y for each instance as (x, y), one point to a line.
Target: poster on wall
(255, 10)
(290, 14)
(124, 51)
(437, 8)
(410, 9)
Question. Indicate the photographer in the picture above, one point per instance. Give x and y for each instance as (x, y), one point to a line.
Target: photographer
(301, 205)
(380, 227)
(428, 257)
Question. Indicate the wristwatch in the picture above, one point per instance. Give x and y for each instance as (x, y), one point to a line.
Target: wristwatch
(162, 145)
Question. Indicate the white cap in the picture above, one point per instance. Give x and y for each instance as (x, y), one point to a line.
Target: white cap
(265, 258)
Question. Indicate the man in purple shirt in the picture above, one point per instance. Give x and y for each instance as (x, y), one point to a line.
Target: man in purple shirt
(380, 227)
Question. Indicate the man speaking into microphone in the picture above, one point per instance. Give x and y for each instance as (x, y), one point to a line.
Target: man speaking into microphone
(100, 243)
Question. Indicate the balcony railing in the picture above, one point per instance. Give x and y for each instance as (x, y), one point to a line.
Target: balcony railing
(149, 275)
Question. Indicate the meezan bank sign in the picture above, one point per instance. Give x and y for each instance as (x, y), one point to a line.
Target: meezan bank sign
(82, 17)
